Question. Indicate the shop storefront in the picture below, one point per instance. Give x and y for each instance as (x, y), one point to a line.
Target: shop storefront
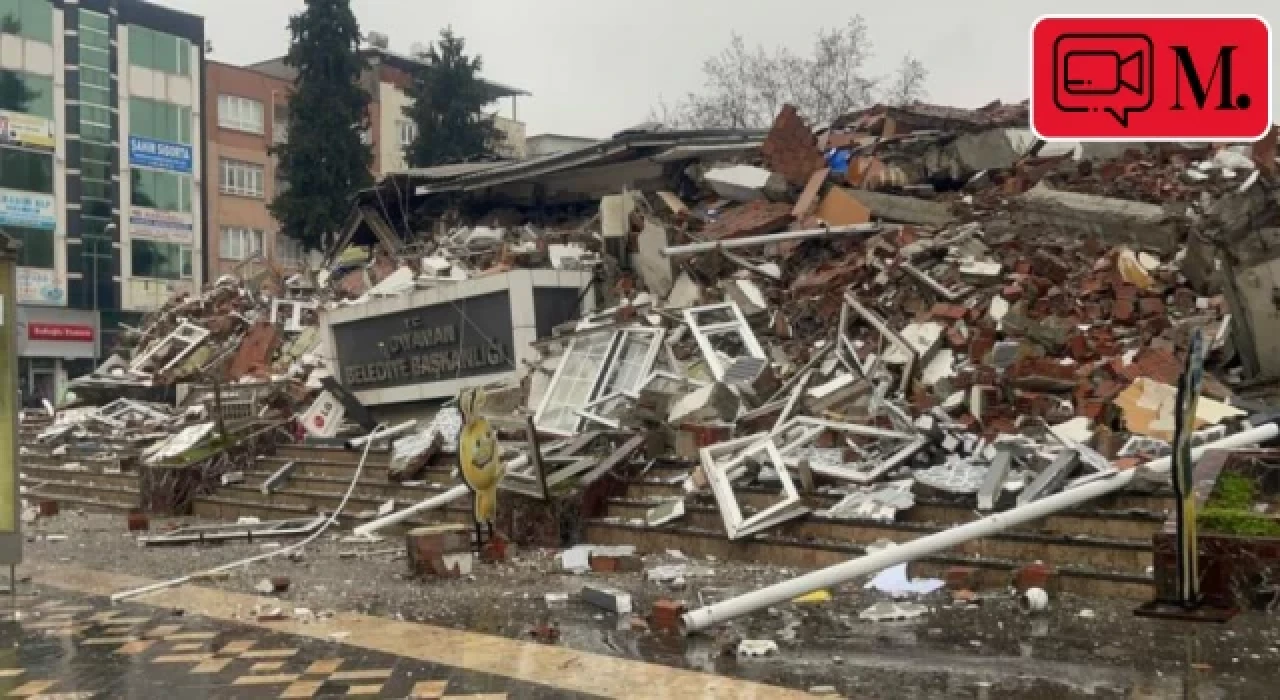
(55, 345)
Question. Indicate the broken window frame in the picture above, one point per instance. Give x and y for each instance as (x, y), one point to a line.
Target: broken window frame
(813, 427)
(591, 411)
(221, 532)
(847, 351)
(186, 333)
(116, 413)
(720, 475)
(552, 398)
(606, 377)
(196, 434)
(704, 333)
(293, 324)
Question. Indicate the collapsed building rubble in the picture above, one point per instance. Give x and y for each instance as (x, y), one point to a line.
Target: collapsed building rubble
(915, 301)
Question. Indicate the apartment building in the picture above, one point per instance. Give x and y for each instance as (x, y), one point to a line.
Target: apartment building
(245, 115)
(100, 161)
(387, 82)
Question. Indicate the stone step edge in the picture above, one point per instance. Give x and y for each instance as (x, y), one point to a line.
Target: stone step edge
(853, 549)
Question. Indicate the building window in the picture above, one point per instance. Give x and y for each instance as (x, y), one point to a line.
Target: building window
(241, 178)
(27, 93)
(164, 261)
(159, 120)
(408, 132)
(29, 171)
(159, 51)
(288, 251)
(33, 19)
(37, 246)
(240, 243)
(164, 191)
(240, 114)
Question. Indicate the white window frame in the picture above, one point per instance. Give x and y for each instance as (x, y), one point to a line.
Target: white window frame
(720, 474)
(238, 242)
(241, 114)
(242, 178)
(891, 449)
(704, 333)
(848, 349)
(408, 131)
(182, 342)
(607, 379)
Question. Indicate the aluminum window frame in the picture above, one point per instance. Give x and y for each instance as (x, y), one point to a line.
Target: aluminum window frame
(252, 178)
(237, 113)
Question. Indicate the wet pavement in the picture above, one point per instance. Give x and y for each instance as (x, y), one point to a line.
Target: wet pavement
(1079, 648)
(60, 646)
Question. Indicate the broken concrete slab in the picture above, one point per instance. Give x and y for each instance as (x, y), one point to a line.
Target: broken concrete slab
(606, 597)
(905, 210)
(1113, 221)
(746, 183)
(654, 267)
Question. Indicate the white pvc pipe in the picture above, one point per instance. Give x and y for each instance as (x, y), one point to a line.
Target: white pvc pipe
(871, 563)
(358, 442)
(437, 501)
(673, 251)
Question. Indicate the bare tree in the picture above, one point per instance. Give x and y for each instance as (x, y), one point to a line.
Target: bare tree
(908, 82)
(746, 87)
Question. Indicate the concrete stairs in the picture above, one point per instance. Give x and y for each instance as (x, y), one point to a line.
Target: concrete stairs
(82, 478)
(1101, 549)
(317, 483)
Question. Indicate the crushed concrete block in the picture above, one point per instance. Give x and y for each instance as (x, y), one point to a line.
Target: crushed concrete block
(685, 293)
(757, 648)
(746, 183)
(905, 210)
(654, 267)
(1113, 221)
(711, 402)
(883, 612)
(611, 599)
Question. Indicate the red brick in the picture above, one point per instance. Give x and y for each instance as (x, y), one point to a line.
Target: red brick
(1122, 311)
(956, 339)
(1159, 365)
(961, 578)
(666, 616)
(1012, 292)
(1035, 575)
(791, 149)
(751, 219)
(1151, 308)
(953, 312)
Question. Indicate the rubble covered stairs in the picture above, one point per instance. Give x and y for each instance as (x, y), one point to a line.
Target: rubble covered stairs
(1101, 549)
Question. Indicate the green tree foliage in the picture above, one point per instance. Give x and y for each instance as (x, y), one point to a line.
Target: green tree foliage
(325, 161)
(448, 98)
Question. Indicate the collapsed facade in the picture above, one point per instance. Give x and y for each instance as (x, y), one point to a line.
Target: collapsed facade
(913, 303)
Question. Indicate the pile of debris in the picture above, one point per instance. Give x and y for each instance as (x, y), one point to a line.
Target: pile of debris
(915, 300)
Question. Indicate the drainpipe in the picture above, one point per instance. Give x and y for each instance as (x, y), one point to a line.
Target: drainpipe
(925, 546)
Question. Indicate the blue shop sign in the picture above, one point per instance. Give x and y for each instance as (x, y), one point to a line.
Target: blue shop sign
(161, 155)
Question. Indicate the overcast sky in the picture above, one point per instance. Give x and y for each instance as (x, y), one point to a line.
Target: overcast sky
(597, 66)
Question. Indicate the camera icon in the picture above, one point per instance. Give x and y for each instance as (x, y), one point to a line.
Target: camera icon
(1112, 73)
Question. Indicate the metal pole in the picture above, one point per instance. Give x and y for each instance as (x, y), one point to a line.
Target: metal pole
(432, 503)
(747, 241)
(871, 563)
